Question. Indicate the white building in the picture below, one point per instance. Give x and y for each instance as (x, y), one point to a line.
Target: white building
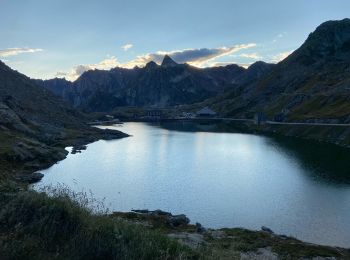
(206, 112)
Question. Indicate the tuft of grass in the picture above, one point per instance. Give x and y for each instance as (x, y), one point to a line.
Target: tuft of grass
(35, 225)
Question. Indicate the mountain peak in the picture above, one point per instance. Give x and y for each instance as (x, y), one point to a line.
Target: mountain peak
(151, 65)
(331, 38)
(258, 69)
(168, 62)
(332, 32)
(260, 65)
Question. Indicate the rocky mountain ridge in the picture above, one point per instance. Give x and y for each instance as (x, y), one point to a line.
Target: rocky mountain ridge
(160, 86)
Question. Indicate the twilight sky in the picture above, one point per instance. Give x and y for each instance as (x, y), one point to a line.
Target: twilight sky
(63, 38)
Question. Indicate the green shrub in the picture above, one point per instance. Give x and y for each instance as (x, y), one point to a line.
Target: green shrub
(34, 225)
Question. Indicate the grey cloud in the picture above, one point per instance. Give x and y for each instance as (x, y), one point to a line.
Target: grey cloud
(197, 57)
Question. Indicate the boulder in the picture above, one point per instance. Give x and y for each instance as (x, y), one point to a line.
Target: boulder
(200, 228)
(166, 217)
(179, 220)
(156, 212)
(31, 178)
(267, 230)
(161, 213)
(78, 149)
(141, 211)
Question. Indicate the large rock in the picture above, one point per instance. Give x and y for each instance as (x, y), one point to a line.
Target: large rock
(267, 230)
(31, 178)
(179, 220)
(166, 217)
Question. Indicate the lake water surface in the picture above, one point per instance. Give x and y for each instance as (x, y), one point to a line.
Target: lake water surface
(220, 179)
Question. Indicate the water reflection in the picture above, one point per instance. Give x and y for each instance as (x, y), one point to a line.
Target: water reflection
(322, 161)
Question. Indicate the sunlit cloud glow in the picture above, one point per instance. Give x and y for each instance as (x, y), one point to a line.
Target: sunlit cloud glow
(281, 56)
(15, 51)
(197, 57)
(75, 72)
(203, 57)
(253, 56)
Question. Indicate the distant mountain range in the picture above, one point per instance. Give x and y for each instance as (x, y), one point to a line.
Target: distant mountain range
(312, 83)
(160, 86)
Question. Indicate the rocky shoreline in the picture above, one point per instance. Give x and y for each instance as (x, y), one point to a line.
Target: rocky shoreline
(26, 159)
(335, 135)
(230, 243)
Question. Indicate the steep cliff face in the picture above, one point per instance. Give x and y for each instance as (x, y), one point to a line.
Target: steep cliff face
(154, 85)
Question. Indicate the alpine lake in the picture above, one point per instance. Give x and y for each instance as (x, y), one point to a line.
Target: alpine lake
(219, 177)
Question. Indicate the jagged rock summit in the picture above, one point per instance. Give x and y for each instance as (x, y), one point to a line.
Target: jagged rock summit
(168, 62)
(151, 65)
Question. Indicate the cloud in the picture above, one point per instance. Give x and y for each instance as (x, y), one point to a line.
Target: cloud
(74, 73)
(253, 56)
(203, 57)
(281, 56)
(196, 57)
(17, 62)
(16, 51)
(279, 36)
(61, 74)
(126, 47)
